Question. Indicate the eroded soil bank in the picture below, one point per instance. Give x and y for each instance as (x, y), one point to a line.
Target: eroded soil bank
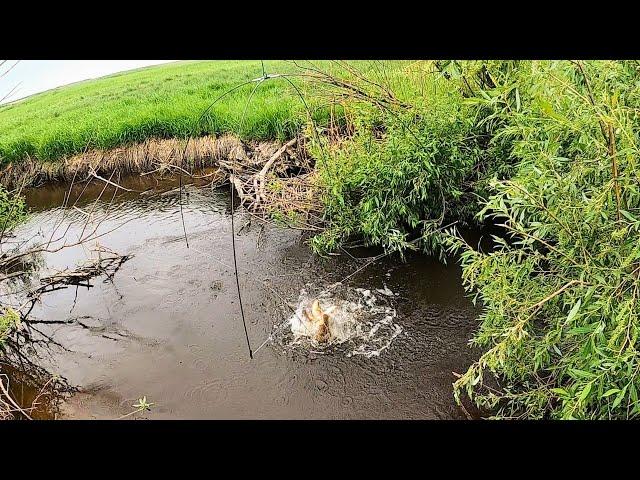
(153, 155)
(168, 326)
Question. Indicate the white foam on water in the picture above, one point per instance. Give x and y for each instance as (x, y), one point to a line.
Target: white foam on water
(358, 319)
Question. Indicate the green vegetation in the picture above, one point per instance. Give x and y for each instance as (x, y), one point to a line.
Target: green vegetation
(140, 406)
(12, 212)
(560, 293)
(8, 320)
(12, 209)
(162, 101)
(407, 166)
(546, 151)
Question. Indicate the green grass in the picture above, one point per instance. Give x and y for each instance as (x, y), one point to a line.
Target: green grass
(162, 101)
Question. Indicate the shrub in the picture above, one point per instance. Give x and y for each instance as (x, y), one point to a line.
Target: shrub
(404, 169)
(8, 319)
(560, 291)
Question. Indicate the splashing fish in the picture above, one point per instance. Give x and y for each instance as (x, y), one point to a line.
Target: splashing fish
(353, 318)
(317, 321)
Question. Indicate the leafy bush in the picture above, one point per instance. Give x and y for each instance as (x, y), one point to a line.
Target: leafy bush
(546, 150)
(560, 292)
(12, 211)
(402, 172)
(8, 320)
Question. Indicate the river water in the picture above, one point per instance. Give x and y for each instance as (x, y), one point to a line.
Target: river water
(168, 325)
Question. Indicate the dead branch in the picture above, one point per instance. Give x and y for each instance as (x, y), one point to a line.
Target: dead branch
(81, 275)
(261, 175)
(10, 399)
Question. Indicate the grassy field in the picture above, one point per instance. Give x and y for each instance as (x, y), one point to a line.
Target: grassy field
(161, 101)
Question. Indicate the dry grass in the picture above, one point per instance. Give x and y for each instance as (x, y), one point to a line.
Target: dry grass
(151, 155)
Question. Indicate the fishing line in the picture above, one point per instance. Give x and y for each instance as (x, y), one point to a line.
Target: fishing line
(324, 161)
(184, 228)
(233, 237)
(259, 82)
(186, 145)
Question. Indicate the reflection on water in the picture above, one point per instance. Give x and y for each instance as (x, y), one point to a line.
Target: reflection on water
(168, 325)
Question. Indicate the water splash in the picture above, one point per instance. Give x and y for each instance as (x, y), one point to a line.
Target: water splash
(362, 321)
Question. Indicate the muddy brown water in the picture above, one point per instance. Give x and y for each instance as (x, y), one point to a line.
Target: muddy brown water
(168, 326)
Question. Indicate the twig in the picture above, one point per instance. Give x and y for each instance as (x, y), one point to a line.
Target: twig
(555, 294)
(94, 174)
(11, 400)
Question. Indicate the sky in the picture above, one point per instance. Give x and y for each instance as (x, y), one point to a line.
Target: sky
(33, 76)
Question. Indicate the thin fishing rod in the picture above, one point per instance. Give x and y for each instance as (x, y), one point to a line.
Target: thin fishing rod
(233, 239)
(259, 81)
(233, 236)
(235, 267)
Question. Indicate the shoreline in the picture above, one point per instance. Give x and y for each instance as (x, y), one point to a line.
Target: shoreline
(151, 155)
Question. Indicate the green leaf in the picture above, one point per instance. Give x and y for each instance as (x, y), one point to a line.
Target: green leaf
(585, 392)
(628, 216)
(560, 391)
(574, 311)
(610, 392)
(619, 398)
(581, 373)
(548, 109)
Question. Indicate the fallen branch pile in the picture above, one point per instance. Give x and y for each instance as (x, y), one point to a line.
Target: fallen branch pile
(21, 289)
(271, 179)
(278, 183)
(82, 274)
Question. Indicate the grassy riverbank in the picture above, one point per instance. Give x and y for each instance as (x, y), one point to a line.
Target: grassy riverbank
(162, 101)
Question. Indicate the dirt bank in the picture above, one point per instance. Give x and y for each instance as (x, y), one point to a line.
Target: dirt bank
(154, 154)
